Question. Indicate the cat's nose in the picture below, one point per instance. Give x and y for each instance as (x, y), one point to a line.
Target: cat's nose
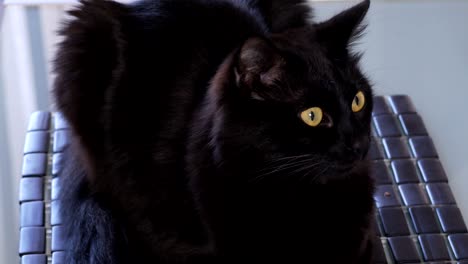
(350, 152)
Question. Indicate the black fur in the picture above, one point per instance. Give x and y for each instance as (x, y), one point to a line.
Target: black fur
(187, 145)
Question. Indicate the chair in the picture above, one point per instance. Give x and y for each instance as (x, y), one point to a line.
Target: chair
(40, 234)
(417, 217)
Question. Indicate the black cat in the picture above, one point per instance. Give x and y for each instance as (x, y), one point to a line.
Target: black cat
(214, 131)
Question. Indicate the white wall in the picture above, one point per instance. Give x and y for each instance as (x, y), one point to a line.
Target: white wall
(420, 48)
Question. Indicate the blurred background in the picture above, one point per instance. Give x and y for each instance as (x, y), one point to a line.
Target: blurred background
(414, 47)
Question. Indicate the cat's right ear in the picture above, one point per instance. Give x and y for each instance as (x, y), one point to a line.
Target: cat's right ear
(259, 68)
(339, 32)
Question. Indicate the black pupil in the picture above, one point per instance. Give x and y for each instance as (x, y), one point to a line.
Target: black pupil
(312, 115)
(357, 100)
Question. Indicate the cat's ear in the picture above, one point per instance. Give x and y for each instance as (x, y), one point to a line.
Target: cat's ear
(337, 33)
(259, 68)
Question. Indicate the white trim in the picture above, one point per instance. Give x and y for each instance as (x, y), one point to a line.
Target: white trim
(68, 2)
(49, 2)
(39, 2)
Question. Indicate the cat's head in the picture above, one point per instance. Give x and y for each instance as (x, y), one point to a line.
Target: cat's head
(298, 98)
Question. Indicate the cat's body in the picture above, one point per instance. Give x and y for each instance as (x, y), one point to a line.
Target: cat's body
(170, 162)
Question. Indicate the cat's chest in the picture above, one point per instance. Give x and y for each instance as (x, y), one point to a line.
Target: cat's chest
(299, 224)
(302, 209)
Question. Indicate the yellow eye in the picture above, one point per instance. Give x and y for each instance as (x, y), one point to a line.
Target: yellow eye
(358, 102)
(312, 116)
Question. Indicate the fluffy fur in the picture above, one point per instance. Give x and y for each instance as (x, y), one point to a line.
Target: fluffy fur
(187, 141)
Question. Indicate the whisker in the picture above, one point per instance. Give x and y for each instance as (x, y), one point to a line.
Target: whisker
(320, 173)
(309, 167)
(288, 165)
(288, 159)
(281, 168)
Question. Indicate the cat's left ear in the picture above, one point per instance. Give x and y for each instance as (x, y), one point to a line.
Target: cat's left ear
(259, 68)
(337, 33)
